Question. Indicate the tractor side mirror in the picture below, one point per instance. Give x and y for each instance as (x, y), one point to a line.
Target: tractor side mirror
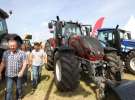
(50, 25)
(90, 29)
(87, 31)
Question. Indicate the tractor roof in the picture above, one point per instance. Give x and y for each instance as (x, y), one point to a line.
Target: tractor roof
(3, 14)
(111, 29)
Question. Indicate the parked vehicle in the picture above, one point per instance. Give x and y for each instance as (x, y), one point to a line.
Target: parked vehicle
(70, 53)
(120, 40)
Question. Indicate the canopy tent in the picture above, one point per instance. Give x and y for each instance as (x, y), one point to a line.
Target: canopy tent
(130, 26)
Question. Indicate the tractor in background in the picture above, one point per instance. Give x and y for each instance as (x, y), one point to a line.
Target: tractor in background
(70, 53)
(122, 42)
(26, 41)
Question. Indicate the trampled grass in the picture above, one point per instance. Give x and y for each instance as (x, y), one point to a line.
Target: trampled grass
(46, 90)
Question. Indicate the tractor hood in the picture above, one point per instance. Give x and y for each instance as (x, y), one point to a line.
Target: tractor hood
(92, 44)
(92, 48)
(87, 47)
(128, 43)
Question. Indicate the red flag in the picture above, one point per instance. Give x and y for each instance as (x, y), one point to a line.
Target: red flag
(97, 26)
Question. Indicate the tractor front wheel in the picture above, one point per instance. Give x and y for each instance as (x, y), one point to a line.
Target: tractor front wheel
(115, 67)
(130, 62)
(114, 73)
(66, 71)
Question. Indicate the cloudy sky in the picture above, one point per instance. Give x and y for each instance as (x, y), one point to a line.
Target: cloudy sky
(32, 16)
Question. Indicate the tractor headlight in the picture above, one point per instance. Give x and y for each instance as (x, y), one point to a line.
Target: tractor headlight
(104, 65)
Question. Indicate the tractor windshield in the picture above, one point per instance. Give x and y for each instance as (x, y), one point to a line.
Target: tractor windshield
(3, 26)
(105, 37)
(71, 29)
(125, 35)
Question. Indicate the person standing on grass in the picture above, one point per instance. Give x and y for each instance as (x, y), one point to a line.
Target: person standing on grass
(36, 60)
(14, 60)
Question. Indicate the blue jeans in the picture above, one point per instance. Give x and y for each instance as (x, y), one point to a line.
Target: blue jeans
(36, 75)
(9, 87)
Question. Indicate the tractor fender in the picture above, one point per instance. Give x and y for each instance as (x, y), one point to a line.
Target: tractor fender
(110, 49)
(63, 49)
(130, 51)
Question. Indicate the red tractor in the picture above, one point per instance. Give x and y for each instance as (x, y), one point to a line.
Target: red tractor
(71, 53)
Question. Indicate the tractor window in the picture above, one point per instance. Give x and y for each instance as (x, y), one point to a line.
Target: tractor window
(106, 37)
(124, 35)
(3, 26)
(70, 28)
(110, 36)
(101, 36)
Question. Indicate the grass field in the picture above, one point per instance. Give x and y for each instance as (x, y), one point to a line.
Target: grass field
(46, 90)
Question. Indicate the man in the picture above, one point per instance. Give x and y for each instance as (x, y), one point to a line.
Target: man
(14, 60)
(37, 60)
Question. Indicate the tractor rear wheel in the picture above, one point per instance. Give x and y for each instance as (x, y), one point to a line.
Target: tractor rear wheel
(114, 73)
(115, 68)
(130, 62)
(66, 71)
(49, 53)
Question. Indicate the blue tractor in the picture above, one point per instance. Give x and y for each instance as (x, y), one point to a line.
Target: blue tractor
(122, 42)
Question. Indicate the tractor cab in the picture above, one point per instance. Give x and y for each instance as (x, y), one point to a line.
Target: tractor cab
(110, 37)
(3, 25)
(67, 28)
(71, 28)
(63, 31)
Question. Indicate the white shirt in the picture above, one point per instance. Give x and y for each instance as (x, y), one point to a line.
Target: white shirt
(37, 57)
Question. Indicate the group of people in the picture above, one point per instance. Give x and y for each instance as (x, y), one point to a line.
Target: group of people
(16, 61)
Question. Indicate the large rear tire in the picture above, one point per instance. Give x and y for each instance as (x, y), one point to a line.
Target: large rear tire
(66, 71)
(114, 73)
(115, 67)
(49, 53)
(130, 62)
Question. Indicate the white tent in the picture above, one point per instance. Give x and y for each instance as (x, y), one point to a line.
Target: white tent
(130, 26)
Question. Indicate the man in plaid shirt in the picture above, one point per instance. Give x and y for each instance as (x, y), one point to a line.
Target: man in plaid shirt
(14, 60)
